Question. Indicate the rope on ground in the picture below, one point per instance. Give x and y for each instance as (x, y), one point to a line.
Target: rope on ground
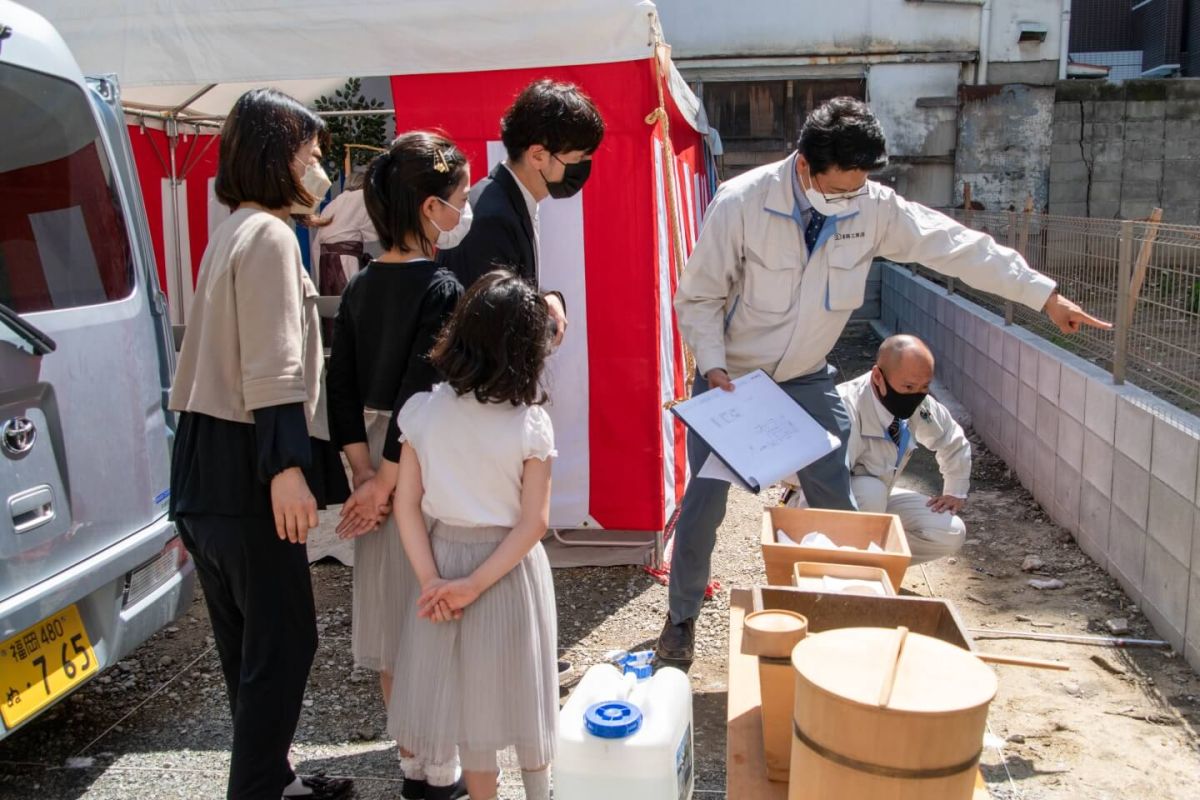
(147, 699)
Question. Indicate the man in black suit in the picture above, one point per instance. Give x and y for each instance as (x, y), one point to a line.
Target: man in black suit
(550, 132)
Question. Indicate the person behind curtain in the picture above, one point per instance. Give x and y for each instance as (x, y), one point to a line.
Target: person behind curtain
(389, 318)
(252, 462)
(345, 230)
(473, 501)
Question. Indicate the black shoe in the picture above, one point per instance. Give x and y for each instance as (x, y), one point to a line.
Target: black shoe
(564, 666)
(455, 791)
(413, 789)
(324, 788)
(677, 642)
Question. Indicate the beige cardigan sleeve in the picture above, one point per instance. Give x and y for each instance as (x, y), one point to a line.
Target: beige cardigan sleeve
(269, 299)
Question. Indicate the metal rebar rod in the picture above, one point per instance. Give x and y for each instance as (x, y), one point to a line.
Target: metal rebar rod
(1099, 641)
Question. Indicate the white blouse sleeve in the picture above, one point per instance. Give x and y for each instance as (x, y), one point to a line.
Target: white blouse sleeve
(410, 416)
(538, 436)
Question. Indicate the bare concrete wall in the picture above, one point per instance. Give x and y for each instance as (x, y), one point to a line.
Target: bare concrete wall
(1004, 136)
(920, 136)
(1120, 150)
(1114, 465)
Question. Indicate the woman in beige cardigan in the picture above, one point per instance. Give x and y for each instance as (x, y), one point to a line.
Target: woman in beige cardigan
(252, 462)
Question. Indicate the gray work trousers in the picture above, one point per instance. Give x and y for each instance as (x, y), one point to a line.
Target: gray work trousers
(826, 484)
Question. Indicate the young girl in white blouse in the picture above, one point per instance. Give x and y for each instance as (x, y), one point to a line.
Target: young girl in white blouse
(478, 649)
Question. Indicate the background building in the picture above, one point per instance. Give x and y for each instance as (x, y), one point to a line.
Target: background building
(761, 65)
(1147, 39)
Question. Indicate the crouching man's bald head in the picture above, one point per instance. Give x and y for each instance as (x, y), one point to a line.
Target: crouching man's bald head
(902, 373)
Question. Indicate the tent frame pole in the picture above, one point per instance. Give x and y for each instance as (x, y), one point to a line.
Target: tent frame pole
(177, 267)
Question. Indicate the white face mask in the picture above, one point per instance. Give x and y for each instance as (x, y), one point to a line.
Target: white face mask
(831, 208)
(454, 236)
(316, 183)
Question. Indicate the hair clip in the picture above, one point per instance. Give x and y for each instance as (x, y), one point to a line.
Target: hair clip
(439, 163)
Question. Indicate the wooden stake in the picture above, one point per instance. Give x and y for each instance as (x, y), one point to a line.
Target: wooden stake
(1142, 264)
(1019, 661)
(1023, 237)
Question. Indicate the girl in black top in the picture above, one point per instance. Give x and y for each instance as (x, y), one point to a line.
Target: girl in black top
(388, 320)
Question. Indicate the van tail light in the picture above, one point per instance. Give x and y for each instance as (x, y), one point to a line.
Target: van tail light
(143, 580)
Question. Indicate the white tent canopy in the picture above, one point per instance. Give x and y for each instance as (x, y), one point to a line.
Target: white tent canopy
(199, 56)
(187, 61)
(215, 100)
(165, 53)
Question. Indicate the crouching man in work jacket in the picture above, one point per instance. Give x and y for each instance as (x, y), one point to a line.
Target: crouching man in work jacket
(781, 262)
(891, 412)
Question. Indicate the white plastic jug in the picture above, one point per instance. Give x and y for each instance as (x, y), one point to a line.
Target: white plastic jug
(626, 736)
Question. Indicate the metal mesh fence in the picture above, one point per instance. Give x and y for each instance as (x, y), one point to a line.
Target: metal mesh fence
(1143, 276)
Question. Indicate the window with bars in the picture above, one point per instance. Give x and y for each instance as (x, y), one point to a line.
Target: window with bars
(759, 121)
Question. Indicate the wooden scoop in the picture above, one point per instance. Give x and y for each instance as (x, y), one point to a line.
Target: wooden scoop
(1021, 661)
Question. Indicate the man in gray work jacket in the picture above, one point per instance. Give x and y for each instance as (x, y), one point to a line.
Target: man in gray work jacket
(781, 263)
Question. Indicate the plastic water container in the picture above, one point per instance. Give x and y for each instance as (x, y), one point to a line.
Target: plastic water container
(626, 735)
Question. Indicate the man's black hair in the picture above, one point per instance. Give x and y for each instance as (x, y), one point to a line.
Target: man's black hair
(843, 133)
(558, 116)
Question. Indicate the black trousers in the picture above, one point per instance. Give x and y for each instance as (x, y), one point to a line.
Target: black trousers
(260, 601)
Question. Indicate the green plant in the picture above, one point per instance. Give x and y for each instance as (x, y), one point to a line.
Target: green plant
(368, 129)
(1193, 302)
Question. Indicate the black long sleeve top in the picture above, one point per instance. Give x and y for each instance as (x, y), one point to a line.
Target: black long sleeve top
(388, 321)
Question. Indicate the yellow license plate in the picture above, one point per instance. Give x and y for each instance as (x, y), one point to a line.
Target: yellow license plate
(42, 663)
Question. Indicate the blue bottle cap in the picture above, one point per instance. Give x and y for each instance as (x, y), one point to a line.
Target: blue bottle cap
(640, 665)
(613, 719)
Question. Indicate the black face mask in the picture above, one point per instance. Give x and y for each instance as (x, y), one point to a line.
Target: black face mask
(900, 405)
(573, 179)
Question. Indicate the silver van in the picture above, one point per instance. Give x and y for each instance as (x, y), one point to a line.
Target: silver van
(90, 566)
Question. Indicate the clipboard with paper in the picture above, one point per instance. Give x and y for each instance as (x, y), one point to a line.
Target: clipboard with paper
(757, 433)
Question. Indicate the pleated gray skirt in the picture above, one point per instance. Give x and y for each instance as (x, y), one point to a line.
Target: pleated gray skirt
(383, 578)
(485, 685)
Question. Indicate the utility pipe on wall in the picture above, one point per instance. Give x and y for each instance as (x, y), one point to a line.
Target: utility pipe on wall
(1064, 40)
(985, 41)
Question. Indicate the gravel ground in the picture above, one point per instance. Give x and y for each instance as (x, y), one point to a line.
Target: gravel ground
(157, 726)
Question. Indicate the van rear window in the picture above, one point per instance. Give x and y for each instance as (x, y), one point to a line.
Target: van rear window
(63, 240)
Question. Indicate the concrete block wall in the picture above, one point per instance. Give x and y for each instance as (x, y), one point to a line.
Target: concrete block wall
(1114, 465)
(1120, 150)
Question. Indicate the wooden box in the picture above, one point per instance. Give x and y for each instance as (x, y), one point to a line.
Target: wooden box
(825, 611)
(806, 575)
(851, 528)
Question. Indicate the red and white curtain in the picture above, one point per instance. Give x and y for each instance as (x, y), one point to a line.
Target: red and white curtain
(198, 211)
(622, 463)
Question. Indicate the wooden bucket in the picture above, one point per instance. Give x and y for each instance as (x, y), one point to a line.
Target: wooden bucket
(771, 635)
(884, 713)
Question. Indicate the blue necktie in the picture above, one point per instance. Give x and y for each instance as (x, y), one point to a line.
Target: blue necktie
(815, 222)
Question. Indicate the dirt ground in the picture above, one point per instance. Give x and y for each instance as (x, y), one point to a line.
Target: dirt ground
(158, 725)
